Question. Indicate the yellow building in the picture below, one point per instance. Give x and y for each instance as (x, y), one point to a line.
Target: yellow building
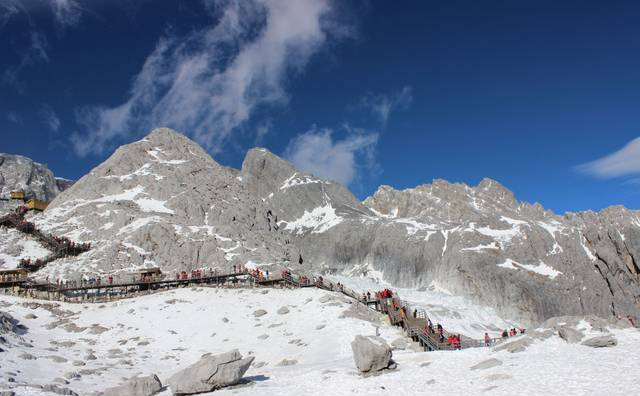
(17, 194)
(36, 204)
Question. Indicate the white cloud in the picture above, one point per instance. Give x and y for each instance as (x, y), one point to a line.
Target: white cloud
(67, 13)
(14, 118)
(318, 153)
(36, 52)
(49, 118)
(625, 161)
(382, 105)
(209, 83)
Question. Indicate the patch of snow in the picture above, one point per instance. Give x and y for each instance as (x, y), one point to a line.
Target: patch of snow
(153, 205)
(139, 223)
(492, 245)
(319, 220)
(583, 243)
(154, 153)
(295, 180)
(541, 269)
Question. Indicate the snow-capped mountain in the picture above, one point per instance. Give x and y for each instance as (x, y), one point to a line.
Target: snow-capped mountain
(163, 201)
(478, 242)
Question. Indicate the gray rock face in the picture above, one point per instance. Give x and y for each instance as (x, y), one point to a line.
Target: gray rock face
(163, 202)
(137, 386)
(36, 180)
(479, 242)
(371, 354)
(601, 342)
(210, 373)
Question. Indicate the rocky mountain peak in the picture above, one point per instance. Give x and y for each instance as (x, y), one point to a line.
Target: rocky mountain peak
(494, 190)
(264, 172)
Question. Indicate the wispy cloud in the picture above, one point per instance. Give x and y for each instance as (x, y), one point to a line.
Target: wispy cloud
(49, 118)
(14, 118)
(210, 82)
(8, 10)
(35, 52)
(382, 105)
(67, 13)
(623, 162)
(316, 152)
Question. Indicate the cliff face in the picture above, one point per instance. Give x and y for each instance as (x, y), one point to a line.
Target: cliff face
(163, 201)
(479, 242)
(36, 180)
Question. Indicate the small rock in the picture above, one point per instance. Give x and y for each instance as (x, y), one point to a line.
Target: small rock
(283, 311)
(59, 390)
(601, 342)
(287, 362)
(487, 364)
(137, 386)
(259, 313)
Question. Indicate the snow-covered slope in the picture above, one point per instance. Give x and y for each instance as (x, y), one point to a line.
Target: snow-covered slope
(305, 351)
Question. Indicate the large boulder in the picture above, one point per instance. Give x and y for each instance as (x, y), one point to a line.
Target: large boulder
(570, 335)
(601, 342)
(371, 354)
(210, 373)
(137, 386)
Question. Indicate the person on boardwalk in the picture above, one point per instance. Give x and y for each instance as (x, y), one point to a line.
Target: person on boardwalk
(487, 339)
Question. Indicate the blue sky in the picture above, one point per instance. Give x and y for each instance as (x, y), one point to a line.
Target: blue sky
(542, 96)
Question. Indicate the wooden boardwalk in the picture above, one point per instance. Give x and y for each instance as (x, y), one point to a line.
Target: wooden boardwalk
(397, 311)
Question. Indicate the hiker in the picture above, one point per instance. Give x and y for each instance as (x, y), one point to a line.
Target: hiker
(487, 339)
(368, 295)
(267, 273)
(415, 313)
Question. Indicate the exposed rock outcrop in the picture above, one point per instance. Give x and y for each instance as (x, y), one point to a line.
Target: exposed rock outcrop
(34, 179)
